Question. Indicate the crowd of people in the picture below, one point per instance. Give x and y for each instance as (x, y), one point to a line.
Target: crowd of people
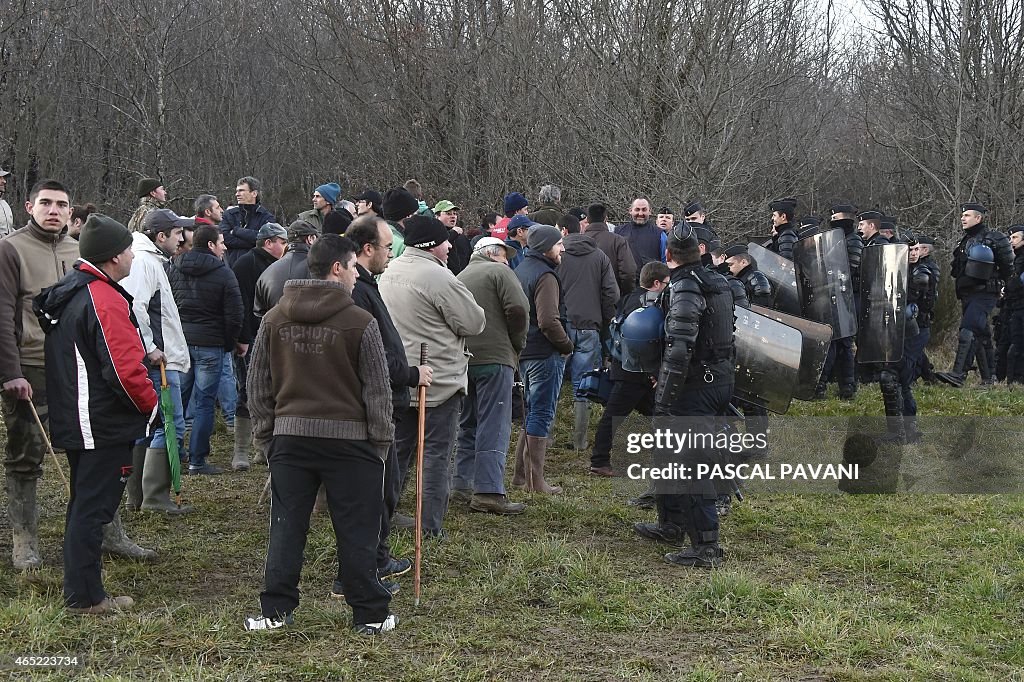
(379, 297)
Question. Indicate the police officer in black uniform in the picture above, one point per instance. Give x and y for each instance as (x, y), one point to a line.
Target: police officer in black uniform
(921, 295)
(869, 226)
(710, 243)
(744, 268)
(840, 351)
(1013, 307)
(982, 261)
(925, 244)
(696, 379)
(784, 232)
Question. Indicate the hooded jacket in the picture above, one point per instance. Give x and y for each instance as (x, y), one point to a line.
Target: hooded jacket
(209, 302)
(153, 303)
(588, 282)
(318, 370)
(99, 390)
(618, 252)
(429, 305)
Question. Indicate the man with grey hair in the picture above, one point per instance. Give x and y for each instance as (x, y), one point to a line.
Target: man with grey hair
(549, 211)
(486, 422)
(241, 223)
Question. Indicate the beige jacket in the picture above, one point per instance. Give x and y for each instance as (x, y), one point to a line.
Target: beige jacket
(429, 305)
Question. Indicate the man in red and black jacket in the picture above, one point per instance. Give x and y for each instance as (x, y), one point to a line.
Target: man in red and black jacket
(101, 398)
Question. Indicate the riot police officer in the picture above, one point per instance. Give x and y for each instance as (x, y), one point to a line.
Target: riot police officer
(1013, 302)
(696, 379)
(743, 267)
(840, 351)
(711, 244)
(925, 244)
(982, 261)
(921, 296)
(784, 232)
(869, 226)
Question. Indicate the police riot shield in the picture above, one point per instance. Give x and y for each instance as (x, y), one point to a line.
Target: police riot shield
(782, 274)
(817, 338)
(767, 360)
(823, 281)
(883, 303)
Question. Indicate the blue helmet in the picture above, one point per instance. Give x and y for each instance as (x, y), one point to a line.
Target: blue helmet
(641, 338)
(981, 262)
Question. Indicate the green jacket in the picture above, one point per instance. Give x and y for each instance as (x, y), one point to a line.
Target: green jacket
(398, 240)
(497, 290)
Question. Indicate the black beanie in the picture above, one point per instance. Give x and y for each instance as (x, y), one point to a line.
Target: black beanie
(424, 232)
(147, 185)
(398, 204)
(102, 238)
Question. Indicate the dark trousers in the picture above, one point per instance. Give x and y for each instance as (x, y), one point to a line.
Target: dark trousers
(840, 359)
(625, 397)
(442, 423)
(24, 447)
(97, 482)
(911, 368)
(695, 511)
(392, 491)
(352, 472)
(241, 372)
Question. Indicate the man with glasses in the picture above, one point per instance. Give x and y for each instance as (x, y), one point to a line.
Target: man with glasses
(374, 241)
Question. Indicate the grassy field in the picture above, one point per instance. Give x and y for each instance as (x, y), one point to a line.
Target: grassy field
(815, 587)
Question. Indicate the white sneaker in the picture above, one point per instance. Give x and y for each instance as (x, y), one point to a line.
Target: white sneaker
(265, 623)
(388, 624)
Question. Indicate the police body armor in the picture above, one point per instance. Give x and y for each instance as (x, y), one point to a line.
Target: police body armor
(883, 301)
(823, 282)
(699, 327)
(782, 275)
(981, 261)
(759, 289)
(923, 292)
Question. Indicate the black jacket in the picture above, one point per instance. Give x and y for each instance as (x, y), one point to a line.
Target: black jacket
(759, 289)
(460, 253)
(1001, 249)
(367, 296)
(270, 285)
(239, 225)
(1013, 298)
(783, 240)
(100, 393)
(247, 271)
(209, 302)
(588, 282)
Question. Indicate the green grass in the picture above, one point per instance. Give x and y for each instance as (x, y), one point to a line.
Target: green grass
(816, 587)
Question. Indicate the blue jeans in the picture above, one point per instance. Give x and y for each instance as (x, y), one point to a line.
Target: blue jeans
(586, 354)
(485, 430)
(174, 381)
(227, 394)
(200, 386)
(543, 379)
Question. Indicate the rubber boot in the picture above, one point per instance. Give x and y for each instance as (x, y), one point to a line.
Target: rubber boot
(134, 486)
(519, 472)
(892, 400)
(116, 542)
(536, 453)
(156, 484)
(984, 356)
(243, 443)
(581, 422)
(957, 375)
(23, 512)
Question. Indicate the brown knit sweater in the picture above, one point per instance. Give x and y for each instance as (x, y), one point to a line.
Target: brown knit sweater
(318, 368)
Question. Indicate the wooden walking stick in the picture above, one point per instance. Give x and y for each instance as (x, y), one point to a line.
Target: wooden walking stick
(421, 425)
(49, 448)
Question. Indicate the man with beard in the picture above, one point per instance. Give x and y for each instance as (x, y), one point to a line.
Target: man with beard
(642, 235)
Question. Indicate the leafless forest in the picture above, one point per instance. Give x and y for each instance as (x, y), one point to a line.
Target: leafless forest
(913, 105)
